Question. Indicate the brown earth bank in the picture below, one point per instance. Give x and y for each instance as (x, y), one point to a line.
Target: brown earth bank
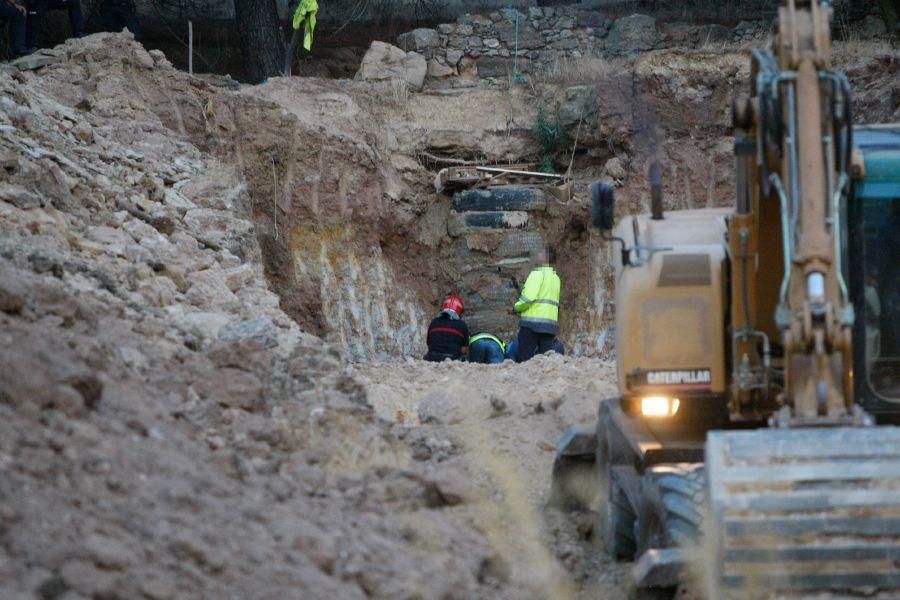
(191, 275)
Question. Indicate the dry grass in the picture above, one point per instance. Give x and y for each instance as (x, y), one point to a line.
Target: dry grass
(394, 92)
(844, 51)
(565, 71)
(853, 49)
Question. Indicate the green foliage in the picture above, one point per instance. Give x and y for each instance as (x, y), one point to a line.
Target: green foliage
(551, 138)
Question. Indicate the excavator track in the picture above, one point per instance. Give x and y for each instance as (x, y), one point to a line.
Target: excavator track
(804, 513)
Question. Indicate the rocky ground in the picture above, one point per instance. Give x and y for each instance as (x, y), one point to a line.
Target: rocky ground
(500, 424)
(185, 268)
(168, 431)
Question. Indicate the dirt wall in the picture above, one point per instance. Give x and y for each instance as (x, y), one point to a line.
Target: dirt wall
(358, 246)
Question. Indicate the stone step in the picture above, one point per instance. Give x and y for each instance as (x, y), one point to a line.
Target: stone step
(465, 223)
(499, 199)
(501, 247)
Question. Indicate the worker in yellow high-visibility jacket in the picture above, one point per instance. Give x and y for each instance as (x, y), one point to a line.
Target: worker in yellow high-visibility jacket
(538, 308)
(305, 16)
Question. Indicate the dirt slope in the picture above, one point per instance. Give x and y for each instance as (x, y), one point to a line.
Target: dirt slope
(166, 430)
(500, 424)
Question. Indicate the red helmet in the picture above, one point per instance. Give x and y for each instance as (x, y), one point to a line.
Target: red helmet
(454, 303)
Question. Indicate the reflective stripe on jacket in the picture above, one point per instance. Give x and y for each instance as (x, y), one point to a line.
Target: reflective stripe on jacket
(306, 12)
(538, 304)
(487, 336)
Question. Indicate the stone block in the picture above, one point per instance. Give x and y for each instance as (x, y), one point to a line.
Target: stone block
(34, 61)
(261, 331)
(501, 67)
(383, 61)
(436, 70)
(474, 222)
(500, 199)
(518, 244)
(565, 23)
(631, 34)
(565, 44)
(592, 18)
(511, 14)
(529, 38)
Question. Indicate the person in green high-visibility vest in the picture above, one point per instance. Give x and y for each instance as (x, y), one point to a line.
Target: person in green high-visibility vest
(486, 349)
(538, 308)
(305, 16)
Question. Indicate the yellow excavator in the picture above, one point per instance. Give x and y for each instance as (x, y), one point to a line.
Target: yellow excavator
(750, 452)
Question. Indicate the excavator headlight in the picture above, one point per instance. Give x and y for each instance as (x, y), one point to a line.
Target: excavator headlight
(659, 406)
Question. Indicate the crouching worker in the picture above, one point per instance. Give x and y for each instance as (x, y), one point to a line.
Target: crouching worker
(448, 334)
(486, 349)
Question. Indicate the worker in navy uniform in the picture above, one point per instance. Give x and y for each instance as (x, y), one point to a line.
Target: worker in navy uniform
(14, 14)
(36, 10)
(119, 14)
(448, 334)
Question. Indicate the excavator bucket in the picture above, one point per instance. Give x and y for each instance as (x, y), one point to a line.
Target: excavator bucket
(804, 513)
(574, 483)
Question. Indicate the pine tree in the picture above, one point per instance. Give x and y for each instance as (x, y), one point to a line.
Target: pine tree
(261, 37)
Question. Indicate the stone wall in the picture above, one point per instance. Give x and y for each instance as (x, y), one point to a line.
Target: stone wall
(508, 41)
(433, 11)
(334, 13)
(496, 236)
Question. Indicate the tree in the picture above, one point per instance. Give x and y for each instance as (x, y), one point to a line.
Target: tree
(262, 40)
(890, 9)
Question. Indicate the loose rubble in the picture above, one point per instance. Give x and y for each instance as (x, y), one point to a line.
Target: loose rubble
(166, 430)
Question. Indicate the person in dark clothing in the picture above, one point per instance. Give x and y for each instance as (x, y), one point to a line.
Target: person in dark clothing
(448, 334)
(36, 10)
(538, 308)
(486, 349)
(15, 15)
(119, 14)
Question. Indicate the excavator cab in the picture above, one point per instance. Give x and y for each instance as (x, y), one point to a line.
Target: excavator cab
(872, 222)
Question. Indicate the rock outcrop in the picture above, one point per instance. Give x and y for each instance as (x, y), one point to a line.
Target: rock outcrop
(384, 62)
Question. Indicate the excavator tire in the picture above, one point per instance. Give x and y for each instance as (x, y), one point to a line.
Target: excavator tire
(620, 536)
(804, 513)
(672, 497)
